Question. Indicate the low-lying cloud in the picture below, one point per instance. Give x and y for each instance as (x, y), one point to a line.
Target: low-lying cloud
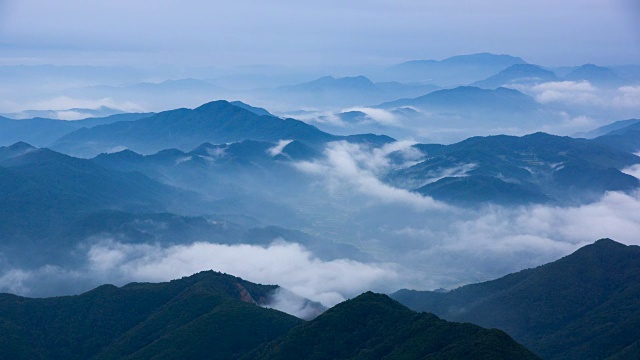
(351, 167)
(289, 265)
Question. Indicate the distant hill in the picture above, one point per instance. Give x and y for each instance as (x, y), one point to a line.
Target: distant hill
(207, 315)
(373, 326)
(626, 138)
(583, 306)
(43, 131)
(456, 70)
(603, 130)
(518, 74)
(329, 91)
(597, 75)
(515, 170)
(65, 114)
(471, 99)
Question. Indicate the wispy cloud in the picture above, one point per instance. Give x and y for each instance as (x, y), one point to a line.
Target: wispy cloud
(355, 167)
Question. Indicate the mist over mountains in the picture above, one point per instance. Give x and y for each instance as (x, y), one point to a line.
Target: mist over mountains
(422, 175)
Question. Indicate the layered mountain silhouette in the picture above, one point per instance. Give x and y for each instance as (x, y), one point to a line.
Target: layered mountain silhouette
(470, 98)
(625, 138)
(456, 70)
(44, 131)
(347, 91)
(518, 74)
(596, 75)
(43, 193)
(515, 170)
(373, 326)
(216, 122)
(609, 128)
(583, 306)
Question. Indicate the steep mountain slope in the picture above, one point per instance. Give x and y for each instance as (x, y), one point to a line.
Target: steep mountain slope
(373, 326)
(518, 74)
(583, 306)
(215, 122)
(207, 315)
(515, 170)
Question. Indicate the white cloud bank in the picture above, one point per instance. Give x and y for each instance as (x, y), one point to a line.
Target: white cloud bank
(286, 264)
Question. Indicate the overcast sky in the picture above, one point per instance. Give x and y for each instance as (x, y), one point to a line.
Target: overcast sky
(295, 32)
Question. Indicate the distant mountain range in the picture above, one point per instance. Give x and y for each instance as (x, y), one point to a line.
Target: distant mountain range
(453, 71)
(518, 74)
(603, 130)
(216, 122)
(470, 99)
(43, 131)
(329, 91)
(213, 315)
(583, 306)
(515, 170)
(625, 138)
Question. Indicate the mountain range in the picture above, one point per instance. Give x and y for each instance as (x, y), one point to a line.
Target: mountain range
(329, 91)
(518, 74)
(44, 131)
(218, 316)
(583, 306)
(453, 71)
(216, 122)
(535, 168)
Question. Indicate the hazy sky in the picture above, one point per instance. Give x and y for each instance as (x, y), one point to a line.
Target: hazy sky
(294, 32)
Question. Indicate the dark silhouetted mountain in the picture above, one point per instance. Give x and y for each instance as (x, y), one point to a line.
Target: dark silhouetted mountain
(253, 109)
(184, 129)
(456, 70)
(373, 326)
(518, 74)
(207, 315)
(583, 306)
(596, 75)
(471, 99)
(516, 170)
(603, 130)
(625, 139)
(42, 132)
